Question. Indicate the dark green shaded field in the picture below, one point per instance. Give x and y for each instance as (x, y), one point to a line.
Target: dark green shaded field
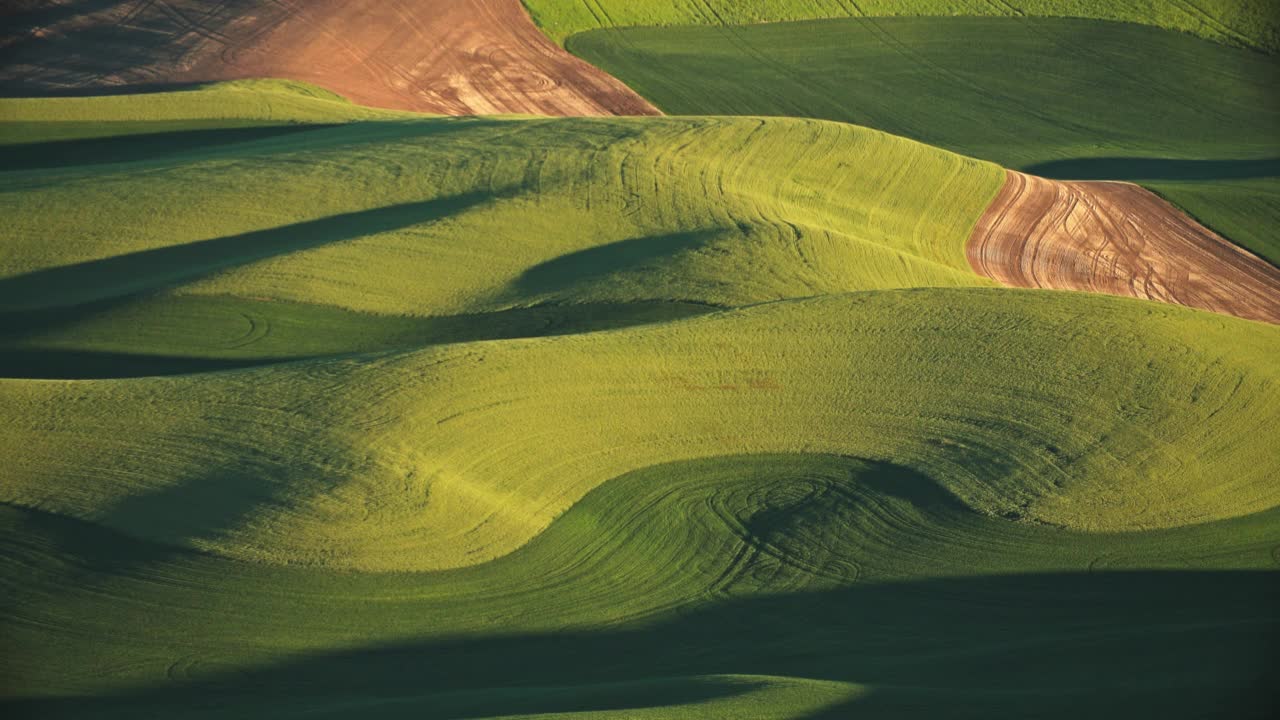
(1197, 122)
(140, 336)
(708, 587)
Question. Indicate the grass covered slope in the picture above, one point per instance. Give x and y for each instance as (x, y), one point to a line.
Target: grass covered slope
(27, 122)
(1194, 121)
(444, 457)
(521, 212)
(308, 414)
(768, 586)
(1247, 23)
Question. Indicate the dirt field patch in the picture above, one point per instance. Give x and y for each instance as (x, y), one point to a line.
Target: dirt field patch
(1118, 239)
(454, 57)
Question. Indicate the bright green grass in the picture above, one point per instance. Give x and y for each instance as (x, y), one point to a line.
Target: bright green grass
(1250, 23)
(1194, 121)
(436, 217)
(350, 238)
(441, 458)
(406, 417)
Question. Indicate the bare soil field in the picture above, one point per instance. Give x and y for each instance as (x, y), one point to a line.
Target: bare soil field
(453, 57)
(1119, 239)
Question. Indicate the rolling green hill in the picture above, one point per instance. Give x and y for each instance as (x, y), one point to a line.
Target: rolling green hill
(1194, 121)
(521, 212)
(1248, 23)
(678, 591)
(433, 231)
(902, 552)
(404, 461)
(312, 411)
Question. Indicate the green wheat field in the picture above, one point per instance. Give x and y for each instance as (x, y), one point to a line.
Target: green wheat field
(316, 410)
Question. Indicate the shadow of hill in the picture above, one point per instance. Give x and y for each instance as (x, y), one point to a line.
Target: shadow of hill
(34, 364)
(17, 89)
(1138, 168)
(80, 545)
(1158, 644)
(1045, 644)
(599, 262)
(343, 332)
(154, 269)
(134, 148)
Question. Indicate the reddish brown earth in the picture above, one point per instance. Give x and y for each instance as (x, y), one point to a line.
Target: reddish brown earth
(455, 57)
(1119, 239)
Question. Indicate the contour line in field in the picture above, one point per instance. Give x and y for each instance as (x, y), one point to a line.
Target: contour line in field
(1119, 239)
(452, 57)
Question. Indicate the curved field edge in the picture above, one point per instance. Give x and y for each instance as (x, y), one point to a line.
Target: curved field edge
(1244, 23)
(444, 457)
(811, 552)
(1240, 211)
(1088, 100)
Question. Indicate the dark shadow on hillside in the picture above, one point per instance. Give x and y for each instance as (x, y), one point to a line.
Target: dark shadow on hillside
(149, 270)
(94, 549)
(912, 487)
(18, 89)
(599, 262)
(134, 148)
(96, 365)
(196, 508)
(1120, 644)
(205, 507)
(1049, 644)
(376, 333)
(1137, 168)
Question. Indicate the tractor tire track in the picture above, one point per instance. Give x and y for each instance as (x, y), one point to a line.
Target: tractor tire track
(1118, 239)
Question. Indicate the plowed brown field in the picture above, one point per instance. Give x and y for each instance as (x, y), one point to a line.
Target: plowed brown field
(455, 57)
(1118, 239)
